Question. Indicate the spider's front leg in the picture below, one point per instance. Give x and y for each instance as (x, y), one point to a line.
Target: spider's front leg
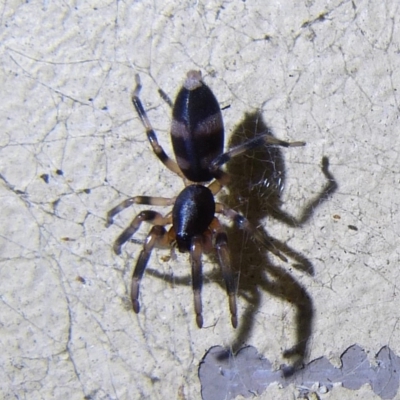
(203, 244)
(221, 244)
(196, 250)
(158, 236)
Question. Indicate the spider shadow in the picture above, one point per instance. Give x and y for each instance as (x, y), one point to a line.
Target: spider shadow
(258, 179)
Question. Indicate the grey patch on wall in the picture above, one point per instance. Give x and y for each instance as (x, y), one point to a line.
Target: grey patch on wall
(226, 376)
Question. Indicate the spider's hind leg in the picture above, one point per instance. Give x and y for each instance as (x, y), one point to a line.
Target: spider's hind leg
(221, 244)
(151, 134)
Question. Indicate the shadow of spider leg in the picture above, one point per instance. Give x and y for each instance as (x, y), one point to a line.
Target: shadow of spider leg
(244, 224)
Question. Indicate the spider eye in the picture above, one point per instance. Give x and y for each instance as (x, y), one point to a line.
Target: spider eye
(183, 242)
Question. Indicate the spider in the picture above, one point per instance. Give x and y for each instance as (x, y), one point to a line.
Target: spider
(197, 135)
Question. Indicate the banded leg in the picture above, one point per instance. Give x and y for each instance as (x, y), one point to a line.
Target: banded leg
(221, 180)
(151, 135)
(150, 216)
(196, 251)
(221, 244)
(165, 97)
(157, 236)
(258, 141)
(146, 200)
(243, 223)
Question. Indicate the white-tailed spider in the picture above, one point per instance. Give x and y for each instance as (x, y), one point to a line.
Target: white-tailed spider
(197, 134)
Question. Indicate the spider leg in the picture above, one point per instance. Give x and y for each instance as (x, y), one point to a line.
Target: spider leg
(150, 216)
(165, 97)
(147, 200)
(196, 251)
(258, 141)
(151, 135)
(157, 236)
(221, 244)
(243, 223)
(221, 179)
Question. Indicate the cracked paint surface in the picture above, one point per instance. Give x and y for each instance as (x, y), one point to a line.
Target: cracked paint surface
(224, 376)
